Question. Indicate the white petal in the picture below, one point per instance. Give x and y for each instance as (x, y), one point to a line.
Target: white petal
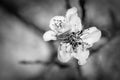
(64, 52)
(84, 56)
(58, 24)
(81, 55)
(74, 20)
(71, 12)
(75, 23)
(82, 62)
(49, 35)
(91, 35)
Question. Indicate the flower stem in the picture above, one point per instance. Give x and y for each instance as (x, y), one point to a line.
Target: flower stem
(78, 68)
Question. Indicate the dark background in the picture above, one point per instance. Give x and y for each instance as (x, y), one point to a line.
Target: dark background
(25, 56)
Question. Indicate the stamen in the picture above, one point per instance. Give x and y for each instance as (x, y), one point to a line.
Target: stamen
(72, 38)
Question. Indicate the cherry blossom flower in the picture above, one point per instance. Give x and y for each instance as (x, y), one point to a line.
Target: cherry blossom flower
(74, 41)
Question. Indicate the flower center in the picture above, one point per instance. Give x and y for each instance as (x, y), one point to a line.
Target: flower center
(72, 38)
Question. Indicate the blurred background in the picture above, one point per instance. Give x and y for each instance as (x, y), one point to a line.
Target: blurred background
(25, 56)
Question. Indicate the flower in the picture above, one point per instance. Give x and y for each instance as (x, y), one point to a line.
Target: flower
(74, 41)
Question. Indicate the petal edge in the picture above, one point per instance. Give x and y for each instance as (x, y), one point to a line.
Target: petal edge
(49, 35)
(91, 35)
(58, 24)
(64, 52)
